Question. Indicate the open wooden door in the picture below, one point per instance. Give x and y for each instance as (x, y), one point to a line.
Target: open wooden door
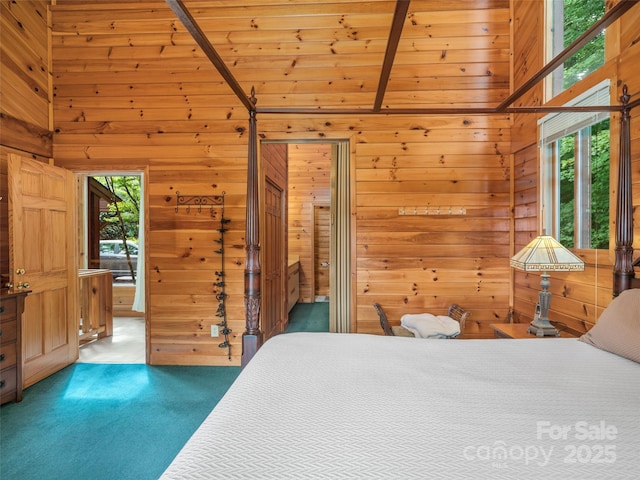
(42, 255)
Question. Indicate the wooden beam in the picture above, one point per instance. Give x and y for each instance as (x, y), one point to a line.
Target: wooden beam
(607, 19)
(399, 16)
(201, 39)
(438, 110)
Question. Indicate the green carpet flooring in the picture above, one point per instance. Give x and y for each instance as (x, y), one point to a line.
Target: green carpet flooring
(96, 421)
(309, 317)
(116, 422)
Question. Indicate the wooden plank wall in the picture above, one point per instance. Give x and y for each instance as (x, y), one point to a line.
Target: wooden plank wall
(422, 263)
(126, 98)
(417, 263)
(25, 72)
(309, 185)
(24, 96)
(578, 297)
(133, 92)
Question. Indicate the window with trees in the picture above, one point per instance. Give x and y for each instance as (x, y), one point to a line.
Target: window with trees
(575, 173)
(566, 21)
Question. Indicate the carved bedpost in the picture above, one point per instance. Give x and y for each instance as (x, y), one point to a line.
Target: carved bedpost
(252, 337)
(623, 273)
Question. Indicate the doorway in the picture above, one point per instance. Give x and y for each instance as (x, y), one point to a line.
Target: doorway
(111, 217)
(319, 175)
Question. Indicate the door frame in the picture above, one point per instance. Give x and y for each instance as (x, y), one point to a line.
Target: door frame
(81, 176)
(342, 298)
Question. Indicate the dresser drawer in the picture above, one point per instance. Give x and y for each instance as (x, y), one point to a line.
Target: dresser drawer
(11, 309)
(8, 381)
(8, 308)
(8, 331)
(8, 355)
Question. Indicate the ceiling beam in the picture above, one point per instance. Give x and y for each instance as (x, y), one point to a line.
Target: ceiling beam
(201, 39)
(399, 16)
(438, 110)
(607, 19)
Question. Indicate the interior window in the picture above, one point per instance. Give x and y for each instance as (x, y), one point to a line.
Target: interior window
(566, 21)
(575, 173)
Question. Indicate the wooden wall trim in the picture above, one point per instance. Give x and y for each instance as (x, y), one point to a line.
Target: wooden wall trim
(24, 136)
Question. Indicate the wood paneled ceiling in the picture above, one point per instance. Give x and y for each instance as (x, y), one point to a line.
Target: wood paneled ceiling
(338, 54)
(315, 54)
(310, 55)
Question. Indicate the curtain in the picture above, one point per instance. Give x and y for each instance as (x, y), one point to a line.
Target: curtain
(139, 296)
(340, 264)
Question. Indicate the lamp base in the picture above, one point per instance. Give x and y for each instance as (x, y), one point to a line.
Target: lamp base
(543, 329)
(541, 326)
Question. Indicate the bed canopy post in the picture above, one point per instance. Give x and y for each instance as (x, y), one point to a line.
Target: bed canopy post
(252, 337)
(623, 273)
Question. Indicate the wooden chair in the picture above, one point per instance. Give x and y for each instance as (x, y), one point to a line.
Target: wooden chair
(455, 311)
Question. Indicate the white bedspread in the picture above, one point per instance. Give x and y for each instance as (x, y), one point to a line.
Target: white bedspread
(347, 406)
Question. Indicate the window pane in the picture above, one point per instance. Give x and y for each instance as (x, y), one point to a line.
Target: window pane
(583, 188)
(567, 190)
(600, 185)
(569, 22)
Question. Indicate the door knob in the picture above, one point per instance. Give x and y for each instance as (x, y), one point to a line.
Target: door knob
(20, 271)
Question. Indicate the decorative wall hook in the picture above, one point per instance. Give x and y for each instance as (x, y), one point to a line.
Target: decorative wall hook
(199, 201)
(212, 201)
(440, 210)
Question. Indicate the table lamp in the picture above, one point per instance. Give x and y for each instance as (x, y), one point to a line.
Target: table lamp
(543, 254)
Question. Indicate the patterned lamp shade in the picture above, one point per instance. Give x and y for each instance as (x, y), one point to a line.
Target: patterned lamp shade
(545, 253)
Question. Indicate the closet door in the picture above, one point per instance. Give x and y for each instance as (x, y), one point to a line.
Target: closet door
(43, 256)
(274, 263)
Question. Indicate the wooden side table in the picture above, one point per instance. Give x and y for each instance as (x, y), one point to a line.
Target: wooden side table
(519, 330)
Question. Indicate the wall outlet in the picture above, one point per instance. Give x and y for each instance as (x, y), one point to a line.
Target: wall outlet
(214, 330)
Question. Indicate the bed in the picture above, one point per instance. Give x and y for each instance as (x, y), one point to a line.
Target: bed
(374, 407)
(333, 406)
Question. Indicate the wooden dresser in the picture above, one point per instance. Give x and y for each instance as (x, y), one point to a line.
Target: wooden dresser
(11, 308)
(293, 283)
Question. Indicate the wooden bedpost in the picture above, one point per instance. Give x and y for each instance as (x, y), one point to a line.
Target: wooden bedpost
(252, 337)
(623, 272)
